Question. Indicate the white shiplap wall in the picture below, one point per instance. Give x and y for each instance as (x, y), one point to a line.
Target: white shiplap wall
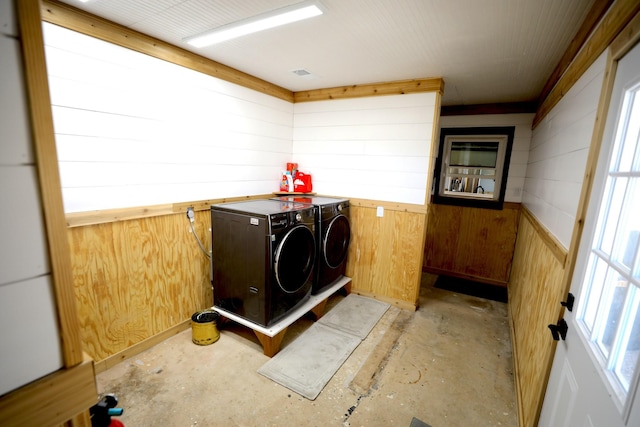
(558, 156)
(132, 130)
(372, 148)
(521, 144)
(28, 322)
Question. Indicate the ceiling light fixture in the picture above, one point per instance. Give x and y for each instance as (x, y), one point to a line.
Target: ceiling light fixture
(275, 18)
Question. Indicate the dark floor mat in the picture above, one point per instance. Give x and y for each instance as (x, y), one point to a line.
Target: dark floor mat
(468, 287)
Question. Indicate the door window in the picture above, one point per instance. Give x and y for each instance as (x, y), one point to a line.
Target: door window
(609, 312)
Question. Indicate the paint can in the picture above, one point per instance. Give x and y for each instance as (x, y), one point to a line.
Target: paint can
(204, 330)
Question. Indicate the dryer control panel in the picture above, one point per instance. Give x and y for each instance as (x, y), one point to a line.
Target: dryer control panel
(279, 221)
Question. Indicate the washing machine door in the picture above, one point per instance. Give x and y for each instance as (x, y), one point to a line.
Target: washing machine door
(294, 258)
(335, 242)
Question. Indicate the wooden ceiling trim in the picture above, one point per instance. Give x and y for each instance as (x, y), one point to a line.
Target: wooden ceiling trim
(626, 39)
(399, 87)
(598, 10)
(617, 17)
(74, 19)
(500, 108)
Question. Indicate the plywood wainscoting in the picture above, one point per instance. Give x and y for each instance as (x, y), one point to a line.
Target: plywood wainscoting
(136, 279)
(385, 254)
(139, 275)
(471, 243)
(535, 291)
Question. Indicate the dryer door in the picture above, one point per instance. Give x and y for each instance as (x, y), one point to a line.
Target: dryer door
(294, 259)
(336, 241)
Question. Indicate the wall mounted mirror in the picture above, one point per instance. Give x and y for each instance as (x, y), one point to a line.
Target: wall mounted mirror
(472, 166)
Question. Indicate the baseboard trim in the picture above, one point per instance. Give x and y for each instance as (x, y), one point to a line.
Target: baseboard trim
(395, 302)
(138, 348)
(486, 280)
(516, 372)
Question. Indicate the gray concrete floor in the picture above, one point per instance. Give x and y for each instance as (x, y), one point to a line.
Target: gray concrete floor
(448, 364)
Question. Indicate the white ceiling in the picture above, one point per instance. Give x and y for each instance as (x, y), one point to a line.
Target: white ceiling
(487, 51)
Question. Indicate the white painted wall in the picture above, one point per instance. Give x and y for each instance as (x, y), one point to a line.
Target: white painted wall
(521, 144)
(558, 155)
(133, 130)
(372, 148)
(28, 321)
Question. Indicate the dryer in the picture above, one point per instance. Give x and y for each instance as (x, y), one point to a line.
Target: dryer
(263, 256)
(333, 234)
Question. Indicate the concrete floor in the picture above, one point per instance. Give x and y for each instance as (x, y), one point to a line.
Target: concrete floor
(447, 364)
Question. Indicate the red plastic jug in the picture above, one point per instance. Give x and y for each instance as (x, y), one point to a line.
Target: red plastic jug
(302, 183)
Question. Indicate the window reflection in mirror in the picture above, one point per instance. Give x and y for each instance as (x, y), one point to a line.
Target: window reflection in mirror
(472, 166)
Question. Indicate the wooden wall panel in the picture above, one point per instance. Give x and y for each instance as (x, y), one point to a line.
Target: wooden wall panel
(138, 278)
(385, 254)
(535, 290)
(470, 242)
(135, 279)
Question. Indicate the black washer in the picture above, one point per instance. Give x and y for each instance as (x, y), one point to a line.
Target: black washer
(263, 257)
(333, 235)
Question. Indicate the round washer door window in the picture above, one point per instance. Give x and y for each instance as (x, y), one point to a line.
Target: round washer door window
(336, 241)
(294, 259)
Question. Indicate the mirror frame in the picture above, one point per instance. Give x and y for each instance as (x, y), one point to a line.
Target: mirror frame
(504, 135)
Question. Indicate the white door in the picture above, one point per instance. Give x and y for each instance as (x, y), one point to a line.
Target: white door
(594, 379)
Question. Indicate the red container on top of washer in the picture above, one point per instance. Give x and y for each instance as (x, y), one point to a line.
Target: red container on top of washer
(302, 183)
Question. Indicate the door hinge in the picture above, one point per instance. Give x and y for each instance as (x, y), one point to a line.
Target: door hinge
(569, 302)
(559, 330)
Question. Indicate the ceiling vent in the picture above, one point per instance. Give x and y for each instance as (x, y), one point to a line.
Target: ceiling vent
(301, 72)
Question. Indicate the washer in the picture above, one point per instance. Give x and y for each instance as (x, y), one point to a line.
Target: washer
(263, 256)
(333, 234)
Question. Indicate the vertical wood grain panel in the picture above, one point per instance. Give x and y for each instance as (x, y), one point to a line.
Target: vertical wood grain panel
(535, 291)
(471, 242)
(488, 237)
(134, 279)
(385, 254)
(441, 245)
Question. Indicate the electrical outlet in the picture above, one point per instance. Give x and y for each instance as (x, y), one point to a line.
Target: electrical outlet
(380, 211)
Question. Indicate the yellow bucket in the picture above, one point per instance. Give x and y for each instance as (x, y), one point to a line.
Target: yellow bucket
(203, 327)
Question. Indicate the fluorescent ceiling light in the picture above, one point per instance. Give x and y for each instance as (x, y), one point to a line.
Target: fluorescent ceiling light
(286, 15)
